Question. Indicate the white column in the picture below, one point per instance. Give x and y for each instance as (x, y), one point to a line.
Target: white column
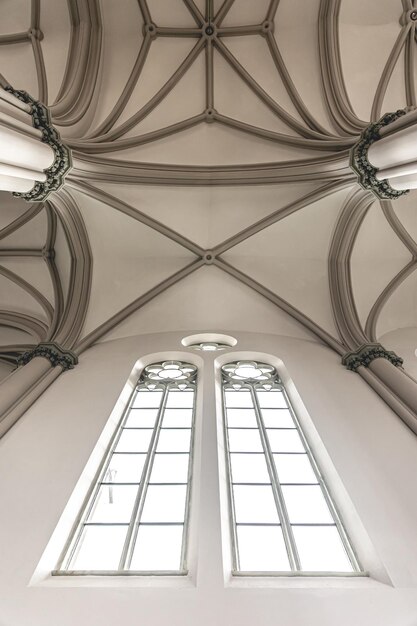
(23, 156)
(404, 182)
(396, 148)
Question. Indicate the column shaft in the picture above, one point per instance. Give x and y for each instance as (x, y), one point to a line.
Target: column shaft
(397, 380)
(20, 390)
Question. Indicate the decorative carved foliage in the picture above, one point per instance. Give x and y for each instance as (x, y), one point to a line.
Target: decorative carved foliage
(367, 353)
(62, 163)
(361, 165)
(53, 352)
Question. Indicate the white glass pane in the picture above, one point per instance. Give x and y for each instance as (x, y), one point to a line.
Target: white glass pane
(164, 504)
(114, 503)
(244, 440)
(273, 399)
(157, 548)
(277, 418)
(170, 468)
(241, 418)
(147, 399)
(125, 468)
(134, 440)
(99, 548)
(285, 441)
(306, 505)
(174, 418)
(238, 399)
(262, 549)
(294, 468)
(249, 468)
(321, 549)
(255, 504)
(174, 441)
(141, 418)
(180, 399)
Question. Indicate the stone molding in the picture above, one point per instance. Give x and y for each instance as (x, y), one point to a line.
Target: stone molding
(360, 164)
(53, 352)
(367, 353)
(62, 162)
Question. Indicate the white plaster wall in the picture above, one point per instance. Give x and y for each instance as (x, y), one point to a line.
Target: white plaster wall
(374, 454)
(404, 343)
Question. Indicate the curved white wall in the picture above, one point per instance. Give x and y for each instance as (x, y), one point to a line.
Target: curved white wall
(373, 452)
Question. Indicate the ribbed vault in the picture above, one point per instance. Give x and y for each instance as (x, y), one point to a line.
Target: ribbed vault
(210, 144)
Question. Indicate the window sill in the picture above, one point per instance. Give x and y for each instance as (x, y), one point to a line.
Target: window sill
(115, 579)
(305, 580)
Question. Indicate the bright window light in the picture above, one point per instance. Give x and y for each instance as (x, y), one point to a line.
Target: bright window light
(283, 519)
(136, 516)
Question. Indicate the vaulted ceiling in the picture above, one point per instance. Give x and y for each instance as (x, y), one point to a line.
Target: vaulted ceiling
(210, 187)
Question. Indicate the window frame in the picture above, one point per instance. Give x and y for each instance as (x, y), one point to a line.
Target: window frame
(357, 570)
(76, 531)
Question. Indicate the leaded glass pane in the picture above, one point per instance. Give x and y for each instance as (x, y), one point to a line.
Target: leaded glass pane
(321, 549)
(254, 504)
(89, 553)
(249, 468)
(170, 468)
(262, 549)
(136, 516)
(282, 515)
(158, 548)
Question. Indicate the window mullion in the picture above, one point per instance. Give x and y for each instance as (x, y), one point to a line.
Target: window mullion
(184, 545)
(342, 532)
(96, 484)
(235, 552)
(131, 535)
(276, 489)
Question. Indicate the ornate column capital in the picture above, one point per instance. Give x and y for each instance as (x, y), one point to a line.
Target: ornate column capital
(53, 352)
(62, 162)
(360, 164)
(367, 353)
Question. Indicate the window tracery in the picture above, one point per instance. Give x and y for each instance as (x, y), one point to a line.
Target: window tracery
(136, 515)
(283, 519)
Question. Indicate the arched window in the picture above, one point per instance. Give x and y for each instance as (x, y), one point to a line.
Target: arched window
(136, 515)
(283, 519)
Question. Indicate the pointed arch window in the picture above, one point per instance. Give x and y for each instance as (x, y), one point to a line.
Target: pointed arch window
(136, 515)
(283, 519)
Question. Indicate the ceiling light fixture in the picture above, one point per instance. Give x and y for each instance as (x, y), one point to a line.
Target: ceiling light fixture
(209, 342)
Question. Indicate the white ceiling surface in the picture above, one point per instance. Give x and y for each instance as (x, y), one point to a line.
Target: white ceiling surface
(62, 258)
(404, 342)
(168, 53)
(31, 269)
(11, 209)
(56, 29)
(368, 31)
(14, 298)
(401, 309)
(378, 255)
(30, 235)
(210, 300)
(298, 23)
(212, 144)
(34, 271)
(405, 209)
(208, 216)
(288, 257)
(129, 258)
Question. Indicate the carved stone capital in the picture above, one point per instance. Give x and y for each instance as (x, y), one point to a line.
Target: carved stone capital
(53, 352)
(367, 353)
(62, 162)
(366, 172)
